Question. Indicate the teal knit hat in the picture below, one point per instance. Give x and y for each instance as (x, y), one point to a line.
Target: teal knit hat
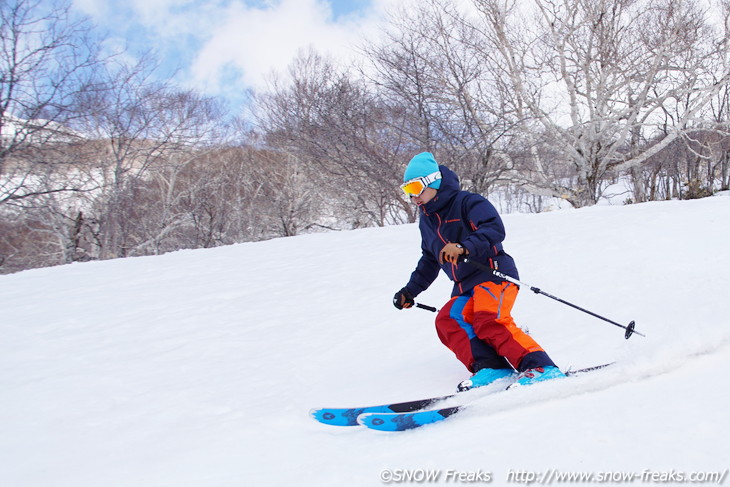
(422, 165)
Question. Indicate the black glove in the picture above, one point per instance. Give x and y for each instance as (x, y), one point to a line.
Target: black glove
(403, 299)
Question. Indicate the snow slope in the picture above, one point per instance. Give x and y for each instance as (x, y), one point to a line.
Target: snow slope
(198, 368)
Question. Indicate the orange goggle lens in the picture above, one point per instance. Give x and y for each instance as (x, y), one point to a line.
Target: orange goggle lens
(413, 188)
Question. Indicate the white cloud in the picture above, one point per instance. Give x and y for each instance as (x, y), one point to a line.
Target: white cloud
(226, 46)
(256, 41)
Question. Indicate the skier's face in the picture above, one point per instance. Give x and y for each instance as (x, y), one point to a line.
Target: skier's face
(427, 195)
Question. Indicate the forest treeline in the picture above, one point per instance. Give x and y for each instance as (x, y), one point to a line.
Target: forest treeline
(528, 101)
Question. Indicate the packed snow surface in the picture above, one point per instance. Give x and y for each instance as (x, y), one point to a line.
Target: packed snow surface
(198, 368)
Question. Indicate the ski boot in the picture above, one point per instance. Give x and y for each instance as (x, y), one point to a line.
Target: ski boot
(538, 374)
(484, 377)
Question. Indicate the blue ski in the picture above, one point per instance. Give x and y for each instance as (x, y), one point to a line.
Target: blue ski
(395, 421)
(348, 416)
(406, 421)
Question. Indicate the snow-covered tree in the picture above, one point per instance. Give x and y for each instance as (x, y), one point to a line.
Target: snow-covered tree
(593, 79)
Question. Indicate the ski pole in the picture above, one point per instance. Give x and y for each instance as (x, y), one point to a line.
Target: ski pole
(426, 307)
(629, 328)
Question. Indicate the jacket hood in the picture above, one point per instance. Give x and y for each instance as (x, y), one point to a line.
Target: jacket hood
(450, 187)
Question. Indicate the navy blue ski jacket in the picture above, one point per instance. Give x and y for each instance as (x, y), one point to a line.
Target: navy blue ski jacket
(470, 219)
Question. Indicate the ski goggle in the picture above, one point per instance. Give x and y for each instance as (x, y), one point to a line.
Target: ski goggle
(416, 186)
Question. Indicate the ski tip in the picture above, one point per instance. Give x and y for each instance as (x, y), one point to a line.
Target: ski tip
(323, 416)
(316, 414)
(336, 416)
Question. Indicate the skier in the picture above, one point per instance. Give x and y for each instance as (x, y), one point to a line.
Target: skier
(475, 323)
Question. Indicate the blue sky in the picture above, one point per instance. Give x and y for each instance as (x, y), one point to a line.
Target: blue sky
(223, 47)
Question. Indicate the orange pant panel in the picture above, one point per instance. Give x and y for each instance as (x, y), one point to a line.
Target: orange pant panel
(486, 315)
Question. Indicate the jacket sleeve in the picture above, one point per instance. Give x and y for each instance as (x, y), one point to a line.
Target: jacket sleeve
(487, 229)
(426, 272)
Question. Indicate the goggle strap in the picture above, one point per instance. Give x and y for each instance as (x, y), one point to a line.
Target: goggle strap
(424, 180)
(436, 176)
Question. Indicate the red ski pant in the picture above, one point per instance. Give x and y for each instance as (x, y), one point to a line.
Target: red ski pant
(479, 329)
